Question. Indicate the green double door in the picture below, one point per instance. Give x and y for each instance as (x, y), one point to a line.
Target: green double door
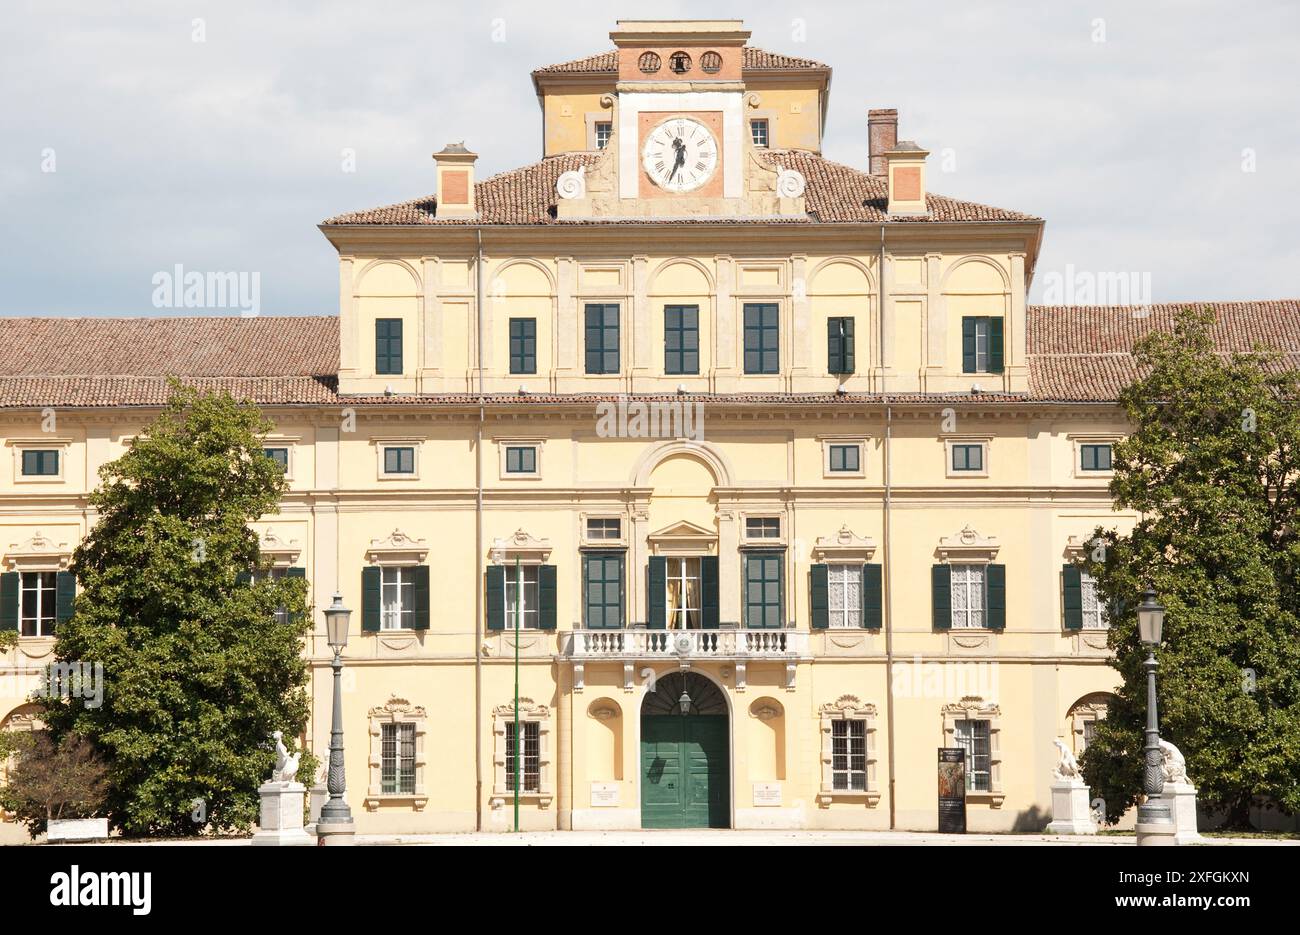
(684, 773)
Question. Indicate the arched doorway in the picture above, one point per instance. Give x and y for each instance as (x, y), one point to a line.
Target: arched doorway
(685, 774)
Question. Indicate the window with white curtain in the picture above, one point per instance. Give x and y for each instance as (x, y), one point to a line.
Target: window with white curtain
(398, 599)
(967, 596)
(683, 576)
(845, 596)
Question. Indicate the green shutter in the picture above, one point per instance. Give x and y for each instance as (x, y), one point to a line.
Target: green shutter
(995, 617)
(10, 584)
(656, 593)
(495, 596)
(65, 594)
(968, 345)
(421, 575)
(872, 597)
(995, 345)
(819, 597)
(243, 579)
(1073, 596)
(546, 597)
(941, 596)
(848, 346)
(296, 572)
(371, 586)
(709, 592)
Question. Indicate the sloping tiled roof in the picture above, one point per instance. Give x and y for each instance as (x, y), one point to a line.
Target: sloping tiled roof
(1082, 352)
(125, 361)
(1076, 354)
(835, 193)
(606, 63)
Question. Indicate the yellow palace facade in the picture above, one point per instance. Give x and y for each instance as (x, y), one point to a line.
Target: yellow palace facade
(759, 464)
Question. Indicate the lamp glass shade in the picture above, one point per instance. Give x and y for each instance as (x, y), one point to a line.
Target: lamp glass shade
(336, 623)
(685, 702)
(1151, 619)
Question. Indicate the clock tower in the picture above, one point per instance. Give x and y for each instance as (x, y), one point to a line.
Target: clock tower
(681, 143)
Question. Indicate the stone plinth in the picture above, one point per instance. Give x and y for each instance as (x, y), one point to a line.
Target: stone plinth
(1181, 799)
(1071, 809)
(280, 821)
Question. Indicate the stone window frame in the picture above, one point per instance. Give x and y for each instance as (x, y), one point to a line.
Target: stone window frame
(396, 710)
(984, 441)
(1076, 446)
(60, 445)
(504, 444)
(1091, 707)
(382, 444)
(290, 444)
(529, 710)
(847, 708)
(587, 542)
(974, 708)
(858, 441)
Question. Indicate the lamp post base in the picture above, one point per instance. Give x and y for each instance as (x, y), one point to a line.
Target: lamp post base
(336, 833)
(1155, 825)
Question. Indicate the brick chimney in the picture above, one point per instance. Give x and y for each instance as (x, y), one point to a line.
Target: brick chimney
(882, 136)
(456, 181)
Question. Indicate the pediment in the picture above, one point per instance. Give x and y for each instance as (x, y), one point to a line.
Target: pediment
(682, 536)
(845, 545)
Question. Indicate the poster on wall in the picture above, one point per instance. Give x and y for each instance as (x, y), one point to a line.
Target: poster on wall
(952, 790)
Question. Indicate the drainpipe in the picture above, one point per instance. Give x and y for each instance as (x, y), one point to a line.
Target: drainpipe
(478, 547)
(886, 561)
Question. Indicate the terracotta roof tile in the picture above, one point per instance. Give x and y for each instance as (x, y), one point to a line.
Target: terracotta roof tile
(603, 63)
(835, 193)
(1076, 354)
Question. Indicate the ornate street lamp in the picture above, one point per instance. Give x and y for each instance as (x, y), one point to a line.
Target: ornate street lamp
(335, 825)
(685, 702)
(1155, 824)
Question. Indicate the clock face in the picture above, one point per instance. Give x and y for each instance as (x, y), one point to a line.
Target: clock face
(680, 154)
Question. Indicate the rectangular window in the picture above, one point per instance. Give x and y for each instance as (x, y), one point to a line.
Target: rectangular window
(849, 755)
(762, 527)
(967, 458)
(280, 456)
(602, 338)
(973, 737)
(399, 460)
(681, 339)
(602, 582)
(1089, 733)
(41, 462)
(388, 345)
(1095, 457)
(271, 574)
(845, 458)
(1094, 611)
(839, 349)
(758, 132)
(397, 599)
(38, 602)
(397, 759)
(683, 579)
(981, 344)
(531, 768)
(604, 528)
(844, 592)
(604, 131)
(762, 342)
(521, 460)
(528, 621)
(967, 596)
(763, 604)
(523, 345)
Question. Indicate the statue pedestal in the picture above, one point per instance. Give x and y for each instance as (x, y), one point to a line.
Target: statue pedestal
(280, 821)
(1071, 809)
(1181, 799)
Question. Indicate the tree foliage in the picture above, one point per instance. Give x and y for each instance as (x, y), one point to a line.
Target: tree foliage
(197, 670)
(53, 780)
(1212, 468)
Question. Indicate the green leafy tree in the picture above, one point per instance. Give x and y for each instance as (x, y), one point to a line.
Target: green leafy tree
(1212, 468)
(198, 670)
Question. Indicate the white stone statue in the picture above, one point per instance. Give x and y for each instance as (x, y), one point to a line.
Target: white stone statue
(1175, 766)
(1067, 767)
(286, 765)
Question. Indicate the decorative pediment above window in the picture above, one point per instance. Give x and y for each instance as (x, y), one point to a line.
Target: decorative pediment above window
(972, 706)
(968, 546)
(682, 537)
(38, 553)
(282, 553)
(1076, 549)
(397, 549)
(847, 706)
(397, 709)
(522, 546)
(844, 546)
(528, 709)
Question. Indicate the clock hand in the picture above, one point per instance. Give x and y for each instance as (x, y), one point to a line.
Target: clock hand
(680, 149)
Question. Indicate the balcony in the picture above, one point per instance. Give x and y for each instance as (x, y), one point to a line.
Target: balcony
(684, 647)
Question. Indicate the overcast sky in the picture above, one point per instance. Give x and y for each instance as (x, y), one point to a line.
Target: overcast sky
(224, 154)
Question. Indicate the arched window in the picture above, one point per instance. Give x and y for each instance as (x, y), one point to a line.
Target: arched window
(703, 697)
